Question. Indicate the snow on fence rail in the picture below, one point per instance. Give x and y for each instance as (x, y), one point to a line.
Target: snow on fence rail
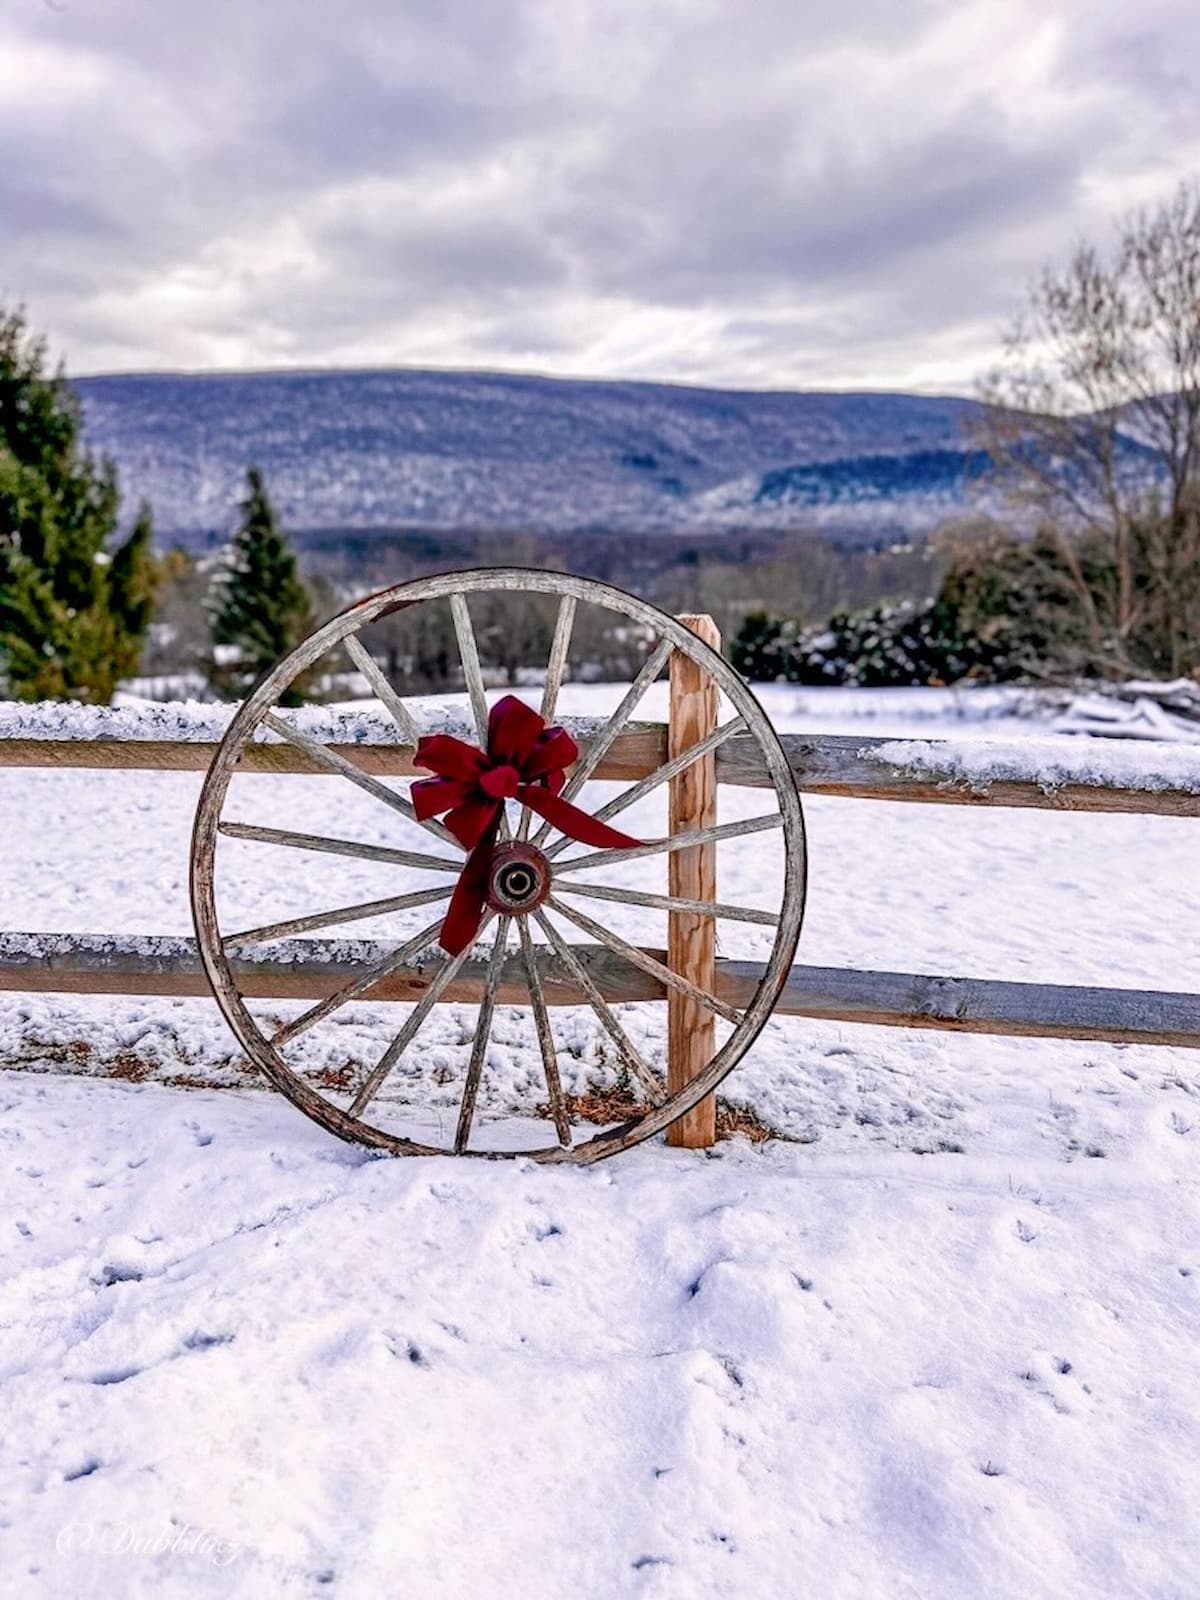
(310, 969)
(1051, 774)
(1057, 774)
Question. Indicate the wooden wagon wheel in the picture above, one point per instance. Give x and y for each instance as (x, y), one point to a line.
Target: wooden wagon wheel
(536, 878)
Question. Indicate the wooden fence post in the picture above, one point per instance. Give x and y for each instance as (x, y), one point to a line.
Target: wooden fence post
(691, 939)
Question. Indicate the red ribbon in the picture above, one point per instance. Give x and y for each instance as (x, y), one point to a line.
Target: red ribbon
(524, 760)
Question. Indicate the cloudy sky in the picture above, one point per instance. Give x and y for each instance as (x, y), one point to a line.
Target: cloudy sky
(746, 192)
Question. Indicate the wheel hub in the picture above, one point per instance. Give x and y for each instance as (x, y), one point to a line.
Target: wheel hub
(519, 880)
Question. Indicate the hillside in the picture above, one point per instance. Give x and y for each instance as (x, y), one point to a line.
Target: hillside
(452, 450)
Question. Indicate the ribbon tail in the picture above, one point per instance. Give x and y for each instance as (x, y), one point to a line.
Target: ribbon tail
(465, 911)
(568, 819)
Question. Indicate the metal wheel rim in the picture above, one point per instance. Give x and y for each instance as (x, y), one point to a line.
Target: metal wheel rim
(348, 622)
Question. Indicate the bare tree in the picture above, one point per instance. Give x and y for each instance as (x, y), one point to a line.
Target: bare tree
(1092, 419)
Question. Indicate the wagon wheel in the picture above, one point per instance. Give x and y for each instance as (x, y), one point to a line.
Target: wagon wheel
(540, 887)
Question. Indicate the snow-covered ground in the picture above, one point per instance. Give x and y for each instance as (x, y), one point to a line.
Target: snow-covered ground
(937, 1339)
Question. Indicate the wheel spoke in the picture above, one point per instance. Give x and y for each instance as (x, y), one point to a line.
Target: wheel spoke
(592, 756)
(372, 974)
(333, 762)
(647, 963)
(541, 1022)
(556, 666)
(468, 652)
(339, 847)
(669, 769)
(375, 676)
(441, 982)
(674, 841)
(483, 1033)
(330, 919)
(626, 1049)
(671, 902)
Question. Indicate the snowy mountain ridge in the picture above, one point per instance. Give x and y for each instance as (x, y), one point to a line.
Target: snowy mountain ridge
(381, 449)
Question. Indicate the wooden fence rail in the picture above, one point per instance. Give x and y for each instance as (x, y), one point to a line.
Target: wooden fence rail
(104, 964)
(928, 771)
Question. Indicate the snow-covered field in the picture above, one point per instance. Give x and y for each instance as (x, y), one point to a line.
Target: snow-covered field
(938, 1339)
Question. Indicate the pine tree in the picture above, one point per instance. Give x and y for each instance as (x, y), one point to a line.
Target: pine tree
(73, 612)
(262, 608)
(134, 581)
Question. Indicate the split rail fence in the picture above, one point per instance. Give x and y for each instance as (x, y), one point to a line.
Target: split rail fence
(845, 767)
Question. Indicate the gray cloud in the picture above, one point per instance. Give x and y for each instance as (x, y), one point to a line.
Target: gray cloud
(778, 193)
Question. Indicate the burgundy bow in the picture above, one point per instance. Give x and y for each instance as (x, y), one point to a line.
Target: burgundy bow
(525, 760)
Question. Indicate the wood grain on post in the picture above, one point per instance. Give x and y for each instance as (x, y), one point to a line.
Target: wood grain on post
(692, 939)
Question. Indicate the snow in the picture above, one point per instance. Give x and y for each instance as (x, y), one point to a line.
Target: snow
(937, 1339)
(201, 722)
(1144, 718)
(760, 1373)
(1047, 761)
(167, 949)
(1050, 763)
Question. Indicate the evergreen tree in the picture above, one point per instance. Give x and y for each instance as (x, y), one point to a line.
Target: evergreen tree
(262, 608)
(73, 612)
(134, 581)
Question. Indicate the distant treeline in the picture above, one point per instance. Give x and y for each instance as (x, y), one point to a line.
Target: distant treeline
(804, 574)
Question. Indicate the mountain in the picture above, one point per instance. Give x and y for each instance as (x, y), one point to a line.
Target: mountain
(362, 450)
